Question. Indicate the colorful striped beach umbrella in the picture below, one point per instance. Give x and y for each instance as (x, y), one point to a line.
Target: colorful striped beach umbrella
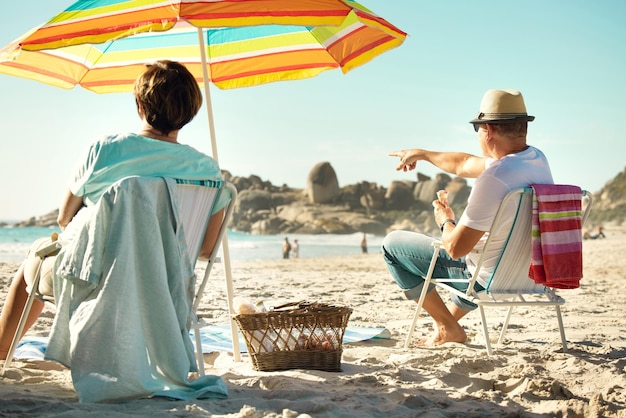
(102, 45)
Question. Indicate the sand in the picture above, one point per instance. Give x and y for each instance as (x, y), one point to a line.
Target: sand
(528, 376)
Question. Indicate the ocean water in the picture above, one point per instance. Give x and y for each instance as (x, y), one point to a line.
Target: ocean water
(15, 242)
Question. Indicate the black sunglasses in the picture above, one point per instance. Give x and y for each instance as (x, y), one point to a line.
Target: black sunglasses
(477, 126)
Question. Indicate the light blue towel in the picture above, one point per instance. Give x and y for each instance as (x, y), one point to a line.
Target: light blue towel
(218, 338)
(123, 306)
(214, 338)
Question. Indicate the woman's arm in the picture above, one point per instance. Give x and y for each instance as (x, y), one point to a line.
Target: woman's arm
(210, 237)
(70, 206)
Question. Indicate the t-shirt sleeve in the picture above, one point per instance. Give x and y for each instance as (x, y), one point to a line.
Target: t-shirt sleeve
(483, 203)
(83, 169)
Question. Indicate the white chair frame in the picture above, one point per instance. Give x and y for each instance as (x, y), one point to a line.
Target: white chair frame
(32, 295)
(509, 284)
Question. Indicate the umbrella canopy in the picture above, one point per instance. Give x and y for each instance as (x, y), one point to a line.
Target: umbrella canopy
(103, 45)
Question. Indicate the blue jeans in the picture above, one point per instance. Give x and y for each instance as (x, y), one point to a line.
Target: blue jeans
(408, 255)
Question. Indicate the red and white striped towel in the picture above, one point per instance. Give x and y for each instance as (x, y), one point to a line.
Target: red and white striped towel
(556, 259)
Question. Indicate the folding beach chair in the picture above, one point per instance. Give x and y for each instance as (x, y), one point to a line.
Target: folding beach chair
(196, 200)
(509, 285)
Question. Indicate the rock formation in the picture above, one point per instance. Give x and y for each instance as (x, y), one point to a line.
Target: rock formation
(49, 219)
(399, 196)
(426, 190)
(324, 207)
(321, 184)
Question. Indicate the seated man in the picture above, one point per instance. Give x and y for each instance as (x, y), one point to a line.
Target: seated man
(508, 163)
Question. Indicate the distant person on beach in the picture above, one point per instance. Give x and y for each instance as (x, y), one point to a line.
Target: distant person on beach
(599, 234)
(508, 163)
(286, 248)
(167, 98)
(295, 249)
(364, 244)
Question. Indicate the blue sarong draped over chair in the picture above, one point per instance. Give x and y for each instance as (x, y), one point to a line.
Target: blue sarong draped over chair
(123, 291)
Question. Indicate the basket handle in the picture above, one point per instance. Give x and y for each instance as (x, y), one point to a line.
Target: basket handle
(291, 304)
(304, 306)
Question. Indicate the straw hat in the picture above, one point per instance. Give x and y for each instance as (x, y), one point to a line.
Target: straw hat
(502, 106)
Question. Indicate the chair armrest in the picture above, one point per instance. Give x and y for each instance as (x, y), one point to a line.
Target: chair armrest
(48, 249)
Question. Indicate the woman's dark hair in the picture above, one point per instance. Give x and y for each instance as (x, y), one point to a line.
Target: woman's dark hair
(168, 95)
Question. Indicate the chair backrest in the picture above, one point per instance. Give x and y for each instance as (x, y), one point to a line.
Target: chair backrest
(196, 202)
(195, 206)
(511, 272)
(510, 276)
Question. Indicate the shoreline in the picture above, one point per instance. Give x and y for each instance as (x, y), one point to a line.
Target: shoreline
(15, 244)
(527, 376)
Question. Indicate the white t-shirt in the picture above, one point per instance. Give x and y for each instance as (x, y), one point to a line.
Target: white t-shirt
(501, 176)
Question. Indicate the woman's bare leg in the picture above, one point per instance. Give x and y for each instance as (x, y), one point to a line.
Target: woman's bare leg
(12, 311)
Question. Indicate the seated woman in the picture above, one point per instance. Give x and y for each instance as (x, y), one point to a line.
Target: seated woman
(167, 98)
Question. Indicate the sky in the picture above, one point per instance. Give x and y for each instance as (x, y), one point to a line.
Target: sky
(567, 57)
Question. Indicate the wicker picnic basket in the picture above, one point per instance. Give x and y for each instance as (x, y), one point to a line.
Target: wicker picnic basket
(297, 335)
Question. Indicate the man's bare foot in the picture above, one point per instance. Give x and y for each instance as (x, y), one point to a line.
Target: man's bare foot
(444, 335)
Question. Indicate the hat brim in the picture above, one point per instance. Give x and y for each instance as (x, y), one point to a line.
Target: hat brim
(526, 118)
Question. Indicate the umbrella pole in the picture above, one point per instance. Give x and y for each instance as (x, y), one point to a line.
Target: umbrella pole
(207, 95)
(225, 250)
